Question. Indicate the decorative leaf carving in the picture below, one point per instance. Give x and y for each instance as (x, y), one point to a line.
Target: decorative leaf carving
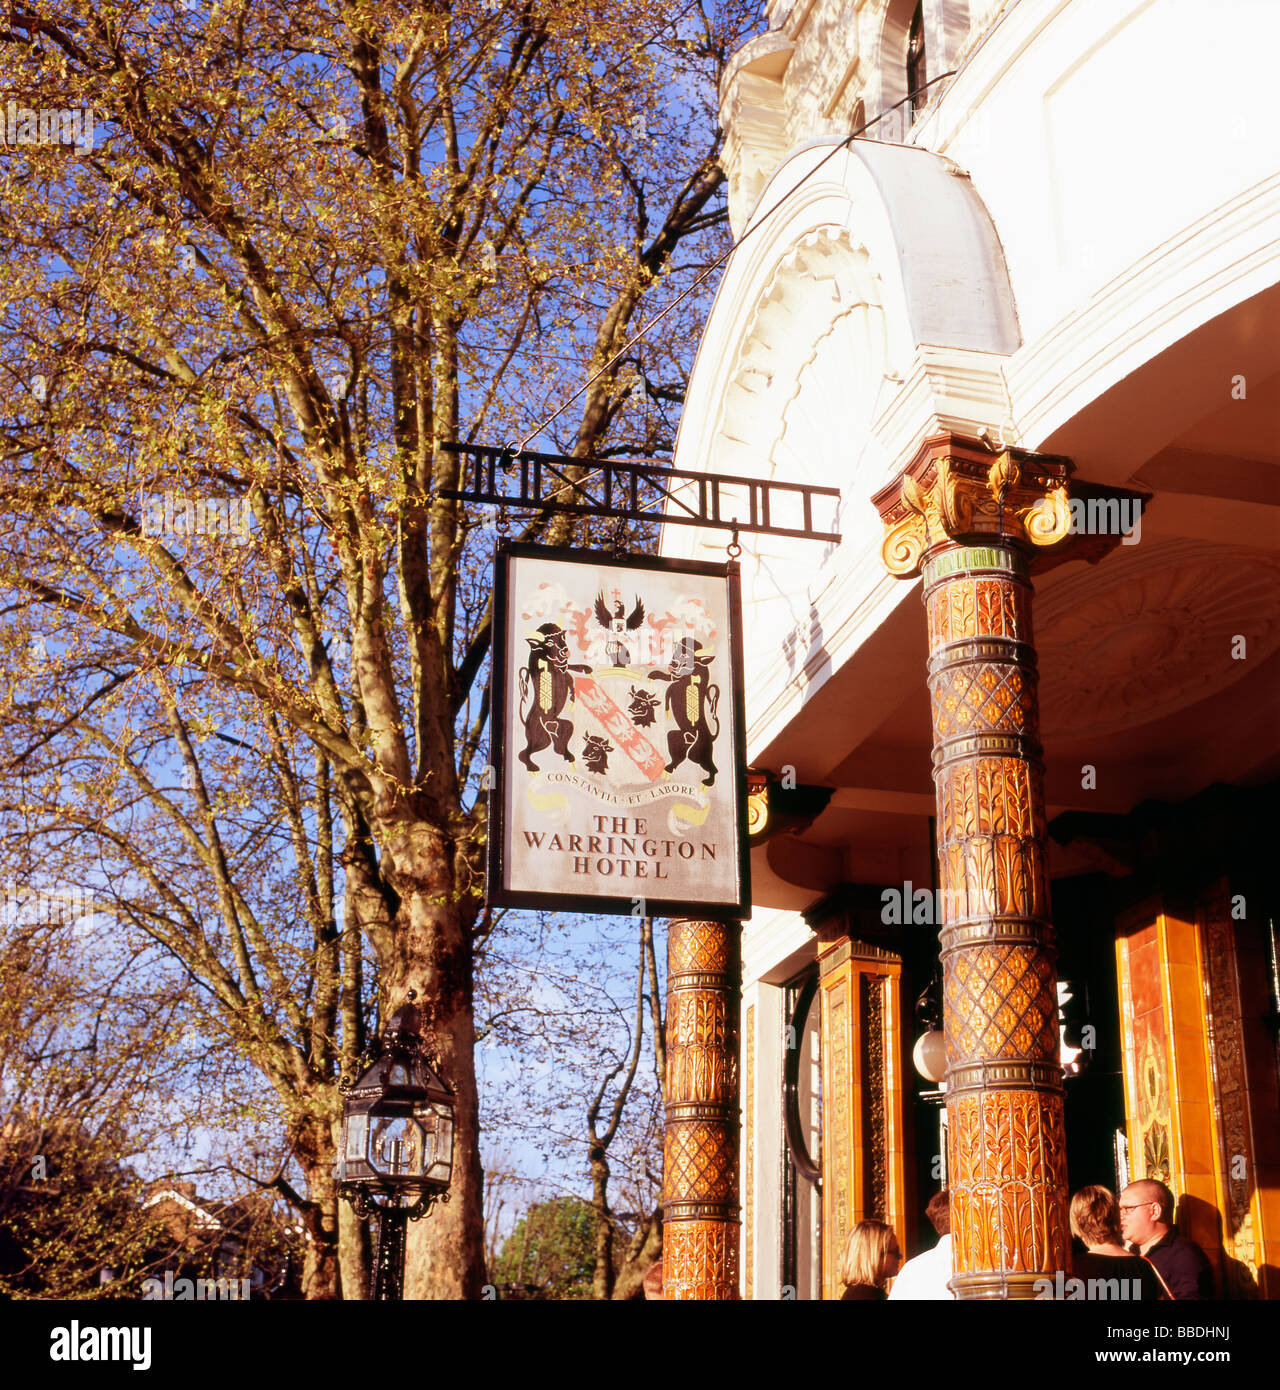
(990, 801)
(1048, 519)
(903, 547)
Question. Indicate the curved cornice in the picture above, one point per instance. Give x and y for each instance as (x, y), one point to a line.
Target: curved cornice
(923, 224)
(924, 250)
(770, 52)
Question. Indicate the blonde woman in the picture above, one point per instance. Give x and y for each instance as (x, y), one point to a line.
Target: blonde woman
(871, 1257)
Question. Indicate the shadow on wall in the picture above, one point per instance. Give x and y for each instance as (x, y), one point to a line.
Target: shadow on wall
(798, 660)
(1202, 1222)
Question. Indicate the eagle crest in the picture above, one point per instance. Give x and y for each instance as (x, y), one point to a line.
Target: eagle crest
(617, 624)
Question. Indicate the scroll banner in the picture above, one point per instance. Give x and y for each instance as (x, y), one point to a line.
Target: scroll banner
(618, 781)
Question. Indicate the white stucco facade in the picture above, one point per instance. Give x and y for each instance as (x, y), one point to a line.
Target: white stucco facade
(1074, 248)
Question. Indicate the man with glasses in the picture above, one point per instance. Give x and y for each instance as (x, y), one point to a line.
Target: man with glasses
(1146, 1222)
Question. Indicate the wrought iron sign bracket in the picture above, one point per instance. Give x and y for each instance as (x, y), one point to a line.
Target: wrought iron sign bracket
(631, 489)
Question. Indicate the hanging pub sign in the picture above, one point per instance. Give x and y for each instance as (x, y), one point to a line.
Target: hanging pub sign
(618, 783)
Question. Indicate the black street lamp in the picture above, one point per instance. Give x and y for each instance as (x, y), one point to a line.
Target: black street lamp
(395, 1157)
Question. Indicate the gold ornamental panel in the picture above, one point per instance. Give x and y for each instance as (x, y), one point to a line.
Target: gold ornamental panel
(988, 796)
(700, 1260)
(994, 697)
(1001, 1001)
(700, 1161)
(1007, 1159)
(702, 1052)
(973, 606)
(694, 946)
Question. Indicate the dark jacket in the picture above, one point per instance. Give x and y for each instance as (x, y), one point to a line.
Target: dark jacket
(1093, 1266)
(868, 1291)
(1183, 1266)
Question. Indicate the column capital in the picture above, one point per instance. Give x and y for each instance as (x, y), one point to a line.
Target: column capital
(957, 489)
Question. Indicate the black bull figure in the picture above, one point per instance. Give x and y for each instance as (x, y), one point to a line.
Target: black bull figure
(643, 708)
(545, 688)
(691, 703)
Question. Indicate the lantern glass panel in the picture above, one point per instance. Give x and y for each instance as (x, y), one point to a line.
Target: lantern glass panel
(396, 1146)
(357, 1136)
(437, 1125)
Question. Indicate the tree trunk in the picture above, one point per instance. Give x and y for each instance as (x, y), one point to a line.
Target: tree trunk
(602, 1284)
(645, 1250)
(444, 1252)
(320, 1274)
(353, 1254)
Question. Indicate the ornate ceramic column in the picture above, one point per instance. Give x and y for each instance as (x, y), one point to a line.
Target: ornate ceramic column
(700, 1230)
(971, 522)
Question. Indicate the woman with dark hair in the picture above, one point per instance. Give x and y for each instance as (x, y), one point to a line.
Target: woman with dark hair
(871, 1256)
(1095, 1218)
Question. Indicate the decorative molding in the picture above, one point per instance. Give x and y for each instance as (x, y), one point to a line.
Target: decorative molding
(700, 1068)
(1005, 1005)
(749, 1150)
(1151, 632)
(1232, 1112)
(852, 949)
(820, 280)
(700, 1260)
(753, 115)
(957, 490)
(840, 1123)
(1007, 1160)
(958, 391)
(873, 1094)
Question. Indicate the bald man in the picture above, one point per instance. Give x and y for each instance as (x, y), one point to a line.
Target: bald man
(1146, 1222)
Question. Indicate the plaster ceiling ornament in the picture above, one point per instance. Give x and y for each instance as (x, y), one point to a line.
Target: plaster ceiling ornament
(1151, 631)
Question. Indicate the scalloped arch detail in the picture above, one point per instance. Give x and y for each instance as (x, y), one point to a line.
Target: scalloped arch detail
(823, 293)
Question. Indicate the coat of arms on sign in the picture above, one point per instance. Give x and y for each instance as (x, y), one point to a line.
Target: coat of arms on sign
(569, 710)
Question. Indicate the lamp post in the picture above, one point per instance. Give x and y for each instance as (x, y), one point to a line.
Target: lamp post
(395, 1157)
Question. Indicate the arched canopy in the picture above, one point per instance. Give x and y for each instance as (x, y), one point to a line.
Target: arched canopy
(854, 258)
